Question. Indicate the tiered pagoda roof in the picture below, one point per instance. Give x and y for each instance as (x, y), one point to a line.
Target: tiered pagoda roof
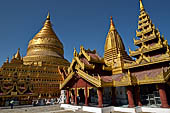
(152, 56)
(152, 47)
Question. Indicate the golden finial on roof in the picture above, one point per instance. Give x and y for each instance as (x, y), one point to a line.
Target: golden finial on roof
(75, 52)
(129, 50)
(141, 5)
(112, 26)
(81, 47)
(48, 16)
(7, 60)
(17, 55)
(13, 56)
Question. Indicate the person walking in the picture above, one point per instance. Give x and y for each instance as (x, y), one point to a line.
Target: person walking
(12, 104)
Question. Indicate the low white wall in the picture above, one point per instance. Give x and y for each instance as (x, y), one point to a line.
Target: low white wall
(127, 110)
(97, 110)
(112, 108)
(92, 109)
(70, 107)
(155, 110)
(107, 109)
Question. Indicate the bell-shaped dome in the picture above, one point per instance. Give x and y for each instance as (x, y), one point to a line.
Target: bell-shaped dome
(114, 46)
(45, 46)
(45, 43)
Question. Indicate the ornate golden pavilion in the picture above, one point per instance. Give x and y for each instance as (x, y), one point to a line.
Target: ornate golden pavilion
(36, 75)
(145, 77)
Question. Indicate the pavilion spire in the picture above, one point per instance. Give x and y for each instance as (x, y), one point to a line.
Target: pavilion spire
(114, 46)
(149, 37)
(112, 26)
(141, 5)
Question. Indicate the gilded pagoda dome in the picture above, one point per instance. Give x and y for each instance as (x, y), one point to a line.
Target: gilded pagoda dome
(45, 47)
(114, 46)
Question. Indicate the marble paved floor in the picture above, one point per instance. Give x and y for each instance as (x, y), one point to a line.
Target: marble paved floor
(37, 109)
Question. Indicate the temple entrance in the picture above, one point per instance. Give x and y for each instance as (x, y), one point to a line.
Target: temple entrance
(81, 97)
(93, 98)
(150, 95)
(107, 96)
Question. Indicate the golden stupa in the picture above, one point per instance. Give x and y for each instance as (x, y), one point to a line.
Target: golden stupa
(45, 48)
(35, 76)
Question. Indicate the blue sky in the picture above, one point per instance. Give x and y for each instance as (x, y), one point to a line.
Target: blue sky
(76, 22)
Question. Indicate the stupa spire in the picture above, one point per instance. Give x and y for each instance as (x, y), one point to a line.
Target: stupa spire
(48, 16)
(141, 5)
(47, 22)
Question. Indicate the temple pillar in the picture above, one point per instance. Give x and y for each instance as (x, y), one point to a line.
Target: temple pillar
(67, 97)
(130, 97)
(113, 96)
(75, 92)
(163, 96)
(137, 96)
(86, 96)
(100, 97)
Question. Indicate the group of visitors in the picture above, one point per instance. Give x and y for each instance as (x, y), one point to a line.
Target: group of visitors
(41, 102)
(36, 102)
